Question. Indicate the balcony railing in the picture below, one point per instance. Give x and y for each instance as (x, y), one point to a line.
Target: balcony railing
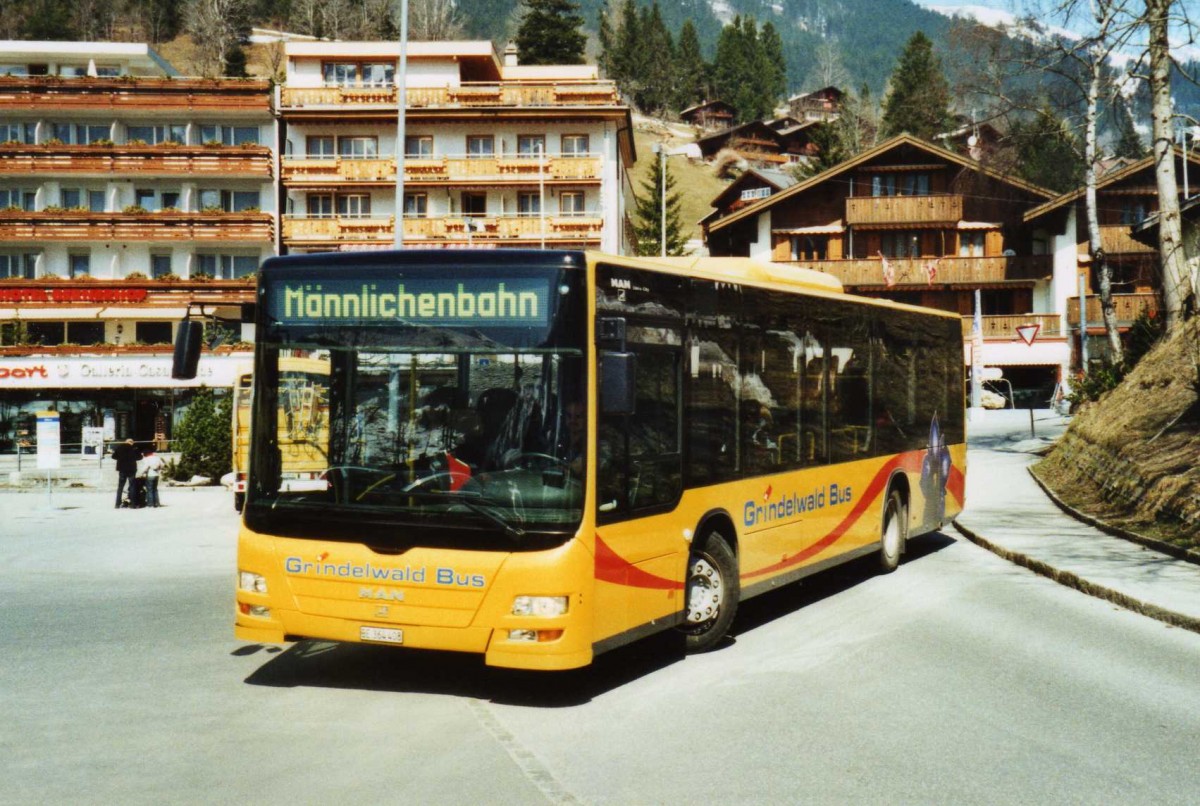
(448, 228)
(1004, 328)
(241, 161)
(1117, 240)
(514, 94)
(56, 94)
(552, 168)
(947, 270)
(1128, 307)
(74, 225)
(864, 210)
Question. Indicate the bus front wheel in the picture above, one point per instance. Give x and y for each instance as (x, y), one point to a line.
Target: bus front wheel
(895, 531)
(711, 594)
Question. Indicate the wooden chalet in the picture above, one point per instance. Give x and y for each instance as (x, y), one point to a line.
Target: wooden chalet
(710, 116)
(763, 143)
(822, 104)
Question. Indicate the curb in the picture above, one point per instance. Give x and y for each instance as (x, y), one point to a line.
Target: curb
(1080, 584)
(1188, 555)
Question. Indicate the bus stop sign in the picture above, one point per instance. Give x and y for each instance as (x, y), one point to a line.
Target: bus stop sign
(1028, 332)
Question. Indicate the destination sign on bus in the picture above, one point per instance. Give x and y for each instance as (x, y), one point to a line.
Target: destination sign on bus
(433, 302)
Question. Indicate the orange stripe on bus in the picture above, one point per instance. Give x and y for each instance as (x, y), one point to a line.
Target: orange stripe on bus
(612, 567)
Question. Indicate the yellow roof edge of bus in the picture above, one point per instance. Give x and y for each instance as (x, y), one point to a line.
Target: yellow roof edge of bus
(745, 268)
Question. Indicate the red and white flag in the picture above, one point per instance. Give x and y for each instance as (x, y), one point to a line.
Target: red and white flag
(931, 269)
(889, 271)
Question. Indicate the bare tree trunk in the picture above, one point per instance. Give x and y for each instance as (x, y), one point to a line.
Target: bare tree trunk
(1176, 284)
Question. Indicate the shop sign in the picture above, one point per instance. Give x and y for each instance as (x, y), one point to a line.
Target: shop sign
(49, 447)
(107, 372)
(71, 294)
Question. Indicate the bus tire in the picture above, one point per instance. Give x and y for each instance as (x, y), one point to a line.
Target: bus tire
(894, 532)
(239, 501)
(710, 593)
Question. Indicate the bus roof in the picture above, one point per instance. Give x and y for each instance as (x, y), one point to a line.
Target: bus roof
(744, 268)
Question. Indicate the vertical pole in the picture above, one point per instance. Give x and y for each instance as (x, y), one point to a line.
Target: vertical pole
(662, 238)
(541, 149)
(401, 102)
(1083, 325)
(976, 355)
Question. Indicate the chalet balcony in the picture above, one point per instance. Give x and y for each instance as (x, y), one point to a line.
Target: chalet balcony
(886, 210)
(1004, 328)
(450, 229)
(469, 95)
(510, 169)
(79, 225)
(1116, 240)
(1128, 308)
(141, 160)
(912, 273)
(60, 95)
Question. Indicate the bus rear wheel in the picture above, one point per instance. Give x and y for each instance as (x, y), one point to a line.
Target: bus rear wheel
(895, 532)
(710, 594)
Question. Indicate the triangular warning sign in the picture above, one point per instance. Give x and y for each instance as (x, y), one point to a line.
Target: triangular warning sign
(1028, 332)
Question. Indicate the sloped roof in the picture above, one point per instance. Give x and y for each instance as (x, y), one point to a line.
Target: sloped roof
(867, 156)
(1110, 178)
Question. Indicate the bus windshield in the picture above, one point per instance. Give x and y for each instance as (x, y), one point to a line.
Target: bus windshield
(434, 429)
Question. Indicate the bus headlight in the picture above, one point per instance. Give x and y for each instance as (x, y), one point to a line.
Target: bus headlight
(252, 582)
(543, 606)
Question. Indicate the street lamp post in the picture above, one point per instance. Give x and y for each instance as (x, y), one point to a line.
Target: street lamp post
(401, 102)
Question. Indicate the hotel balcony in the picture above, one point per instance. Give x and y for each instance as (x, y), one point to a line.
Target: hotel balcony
(471, 95)
(79, 225)
(140, 160)
(60, 95)
(497, 230)
(1004, 328)
(1128, 308)
(440, 170)
(144, 293)
(864, 211)
(912, 273)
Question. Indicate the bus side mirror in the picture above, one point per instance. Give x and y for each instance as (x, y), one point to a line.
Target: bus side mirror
(188, 340)
(618, 383)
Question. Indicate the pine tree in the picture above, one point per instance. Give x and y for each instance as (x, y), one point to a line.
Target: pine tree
(1129, 144)
(658, 78)
(550, 33)
(203, 438)
(1047, 152)
(649, 219)
(690, 69)
(774, 69)
(919, 100)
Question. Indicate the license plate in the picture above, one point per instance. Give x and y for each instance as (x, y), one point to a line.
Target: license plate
(384, 635)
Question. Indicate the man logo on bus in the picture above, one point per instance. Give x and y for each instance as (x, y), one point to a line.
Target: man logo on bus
(935, 473)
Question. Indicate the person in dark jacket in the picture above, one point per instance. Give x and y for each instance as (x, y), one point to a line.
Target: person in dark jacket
(126, 455)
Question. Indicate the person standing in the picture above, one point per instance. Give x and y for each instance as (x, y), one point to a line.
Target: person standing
(151, 468)
(126, 455)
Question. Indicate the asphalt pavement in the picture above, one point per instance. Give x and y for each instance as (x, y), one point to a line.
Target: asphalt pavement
(1008, 513)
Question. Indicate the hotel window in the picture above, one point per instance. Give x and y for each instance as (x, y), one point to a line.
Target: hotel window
(319, 205)
(79, 264)
(107, 71)
(160, 266)
(18, 198)
(481, 146)
(358, 147)
(147, 199)
(153, 135)
(18, 266)
(72, 198)
(570, 202)
(17, 133)
(79, 134)
(529, 204)
(85, 332)
(45, 333)
(416, 205)
(318, 147)
(153, 332)
(474, 204)
(226, 267)
(72, 71)
(339, 74)
(229, 201)
(229, 135)
(354, 205)
(574, 145)
(418, 146)
(379, 74)
(531, 145)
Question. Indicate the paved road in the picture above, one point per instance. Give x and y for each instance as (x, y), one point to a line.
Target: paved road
(960, 678)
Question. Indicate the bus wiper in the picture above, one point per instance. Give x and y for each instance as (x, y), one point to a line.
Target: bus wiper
(510, 529)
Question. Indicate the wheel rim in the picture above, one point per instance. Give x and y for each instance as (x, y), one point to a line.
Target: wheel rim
(891, 537)
(704, 592)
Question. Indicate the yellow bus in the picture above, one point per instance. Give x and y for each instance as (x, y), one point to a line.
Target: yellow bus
(538, 456)
(302, 423)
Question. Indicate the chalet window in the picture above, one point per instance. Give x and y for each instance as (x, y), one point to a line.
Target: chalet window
(229, 135)
(900, 244)
(18, 265)
(160, 266)
(418, 146)
(570, 203)
(358, 147)
(574, 145)
(474, 204)
(529, 204)
(916, 184)
(166, 133)
(970, 244)
(318, 147)
(354, 205)
(883, 185)
(16, 133)
(319, 205)
(755, 193)
(1133, 213)
(810, 247)
(531, 145)
(416, 205)
(481, 146)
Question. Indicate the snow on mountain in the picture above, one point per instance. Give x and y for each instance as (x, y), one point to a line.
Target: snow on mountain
(1005, 20)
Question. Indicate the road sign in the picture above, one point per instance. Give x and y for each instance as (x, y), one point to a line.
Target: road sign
(1028, 332)
(48, 444)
